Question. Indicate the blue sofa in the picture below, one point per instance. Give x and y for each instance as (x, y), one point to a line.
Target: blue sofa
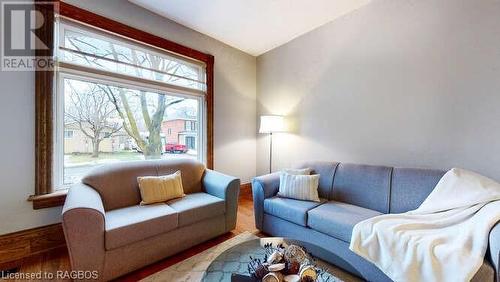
(349, 194)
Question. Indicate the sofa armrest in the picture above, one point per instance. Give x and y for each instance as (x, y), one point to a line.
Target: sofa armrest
(227, 188)
(494, 249)
(83, 224)
(263, 187)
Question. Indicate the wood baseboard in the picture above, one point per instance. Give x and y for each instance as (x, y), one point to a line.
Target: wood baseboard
(22, 244)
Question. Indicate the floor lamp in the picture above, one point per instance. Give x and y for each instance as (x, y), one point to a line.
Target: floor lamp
(271, 124)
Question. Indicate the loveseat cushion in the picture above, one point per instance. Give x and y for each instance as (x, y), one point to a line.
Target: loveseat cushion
(289, 209)
(338, 219)
(131, 224)
(192, 173)
(117, 183)
(196, 207)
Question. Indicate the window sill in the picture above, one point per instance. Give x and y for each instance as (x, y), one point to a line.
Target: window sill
(55, 199)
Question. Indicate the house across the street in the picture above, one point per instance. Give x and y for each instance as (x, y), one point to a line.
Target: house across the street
(181, 130)
(75, 141)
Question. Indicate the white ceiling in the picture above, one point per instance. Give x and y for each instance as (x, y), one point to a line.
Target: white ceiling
(254, 26)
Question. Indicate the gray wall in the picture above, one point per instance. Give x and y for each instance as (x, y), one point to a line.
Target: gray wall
(235, 107)
(400, 83)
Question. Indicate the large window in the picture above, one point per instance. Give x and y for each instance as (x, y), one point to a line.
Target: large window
(119, 100)
(117, 93)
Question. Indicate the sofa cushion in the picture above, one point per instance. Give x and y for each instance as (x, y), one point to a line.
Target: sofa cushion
(326, 171)
(411, 186)
(196, 207)
(366, 186)
(136, 223)
(338, 219)
(289, 209)
(117, 182)
(192, 173)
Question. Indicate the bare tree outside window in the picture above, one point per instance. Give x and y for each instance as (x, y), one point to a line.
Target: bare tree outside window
(90, 110)
(150, 145)
(151, 66)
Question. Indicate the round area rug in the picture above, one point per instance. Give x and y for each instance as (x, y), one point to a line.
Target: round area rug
(193, 269)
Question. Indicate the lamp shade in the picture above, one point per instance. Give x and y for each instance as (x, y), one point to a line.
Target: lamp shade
(270, 124)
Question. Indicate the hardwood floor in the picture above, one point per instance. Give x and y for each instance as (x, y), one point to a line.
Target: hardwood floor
(58, 260)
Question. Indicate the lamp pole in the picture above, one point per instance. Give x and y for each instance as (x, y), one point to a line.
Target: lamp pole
(268, 125)
(270, 152)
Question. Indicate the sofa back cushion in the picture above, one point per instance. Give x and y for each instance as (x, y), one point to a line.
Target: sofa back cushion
(326, 171)
(366, 186)
(117, 183)
(192, 173)
(411, 186)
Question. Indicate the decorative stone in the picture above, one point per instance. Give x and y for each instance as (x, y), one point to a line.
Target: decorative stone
(276, 267)
(294, 253)
(275, 257)
(307, 279)
(291, 278)
(292, 267)
(308, 272)
(273, 277)
(261, 271)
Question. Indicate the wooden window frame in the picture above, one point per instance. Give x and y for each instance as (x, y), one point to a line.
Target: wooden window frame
(45, 196)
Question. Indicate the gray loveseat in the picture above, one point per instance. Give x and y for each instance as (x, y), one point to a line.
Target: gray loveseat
(349, 194)
(108, 231)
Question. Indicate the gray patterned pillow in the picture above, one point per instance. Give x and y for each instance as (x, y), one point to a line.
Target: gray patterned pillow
(300, 187)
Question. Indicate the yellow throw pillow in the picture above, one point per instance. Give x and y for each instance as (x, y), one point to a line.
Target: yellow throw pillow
(157, 189)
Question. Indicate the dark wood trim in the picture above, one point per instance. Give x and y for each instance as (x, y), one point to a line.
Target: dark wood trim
(44, 87)
(99, 21)
(50, 200)
(210, 112)
(18, 245)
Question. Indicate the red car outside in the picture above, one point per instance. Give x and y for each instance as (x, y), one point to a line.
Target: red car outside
(176, 148)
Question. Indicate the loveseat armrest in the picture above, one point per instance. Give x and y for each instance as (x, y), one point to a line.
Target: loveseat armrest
(84, 228)
(494, 249)
(227, 188)
(263, 187)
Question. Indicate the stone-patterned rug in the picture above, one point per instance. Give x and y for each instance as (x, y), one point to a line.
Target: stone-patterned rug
(193, 269)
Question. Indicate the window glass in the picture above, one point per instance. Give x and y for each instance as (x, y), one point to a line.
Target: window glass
(80, 46)
(106, 123)
(120, 100)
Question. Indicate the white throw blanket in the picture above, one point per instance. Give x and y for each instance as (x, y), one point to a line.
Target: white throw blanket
(445, 239)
